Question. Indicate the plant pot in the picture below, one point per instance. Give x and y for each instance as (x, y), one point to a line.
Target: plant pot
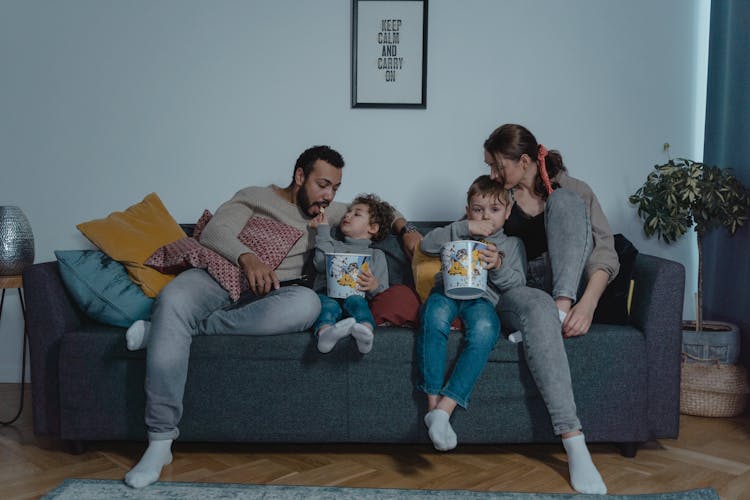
(717, 342)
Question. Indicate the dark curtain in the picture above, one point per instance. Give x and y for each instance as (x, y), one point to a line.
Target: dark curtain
(726, 272)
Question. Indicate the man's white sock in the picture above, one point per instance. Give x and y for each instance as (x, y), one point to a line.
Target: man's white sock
(364, 337)
(584, 477)
(440, 431)
(148, 469)
(328, 338)
(137, 335)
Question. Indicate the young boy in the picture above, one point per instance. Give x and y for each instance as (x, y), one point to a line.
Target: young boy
(368, 219)
(488, 207)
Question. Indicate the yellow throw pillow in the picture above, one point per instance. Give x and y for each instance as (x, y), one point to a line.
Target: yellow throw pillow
(130, 237)
(423, 268)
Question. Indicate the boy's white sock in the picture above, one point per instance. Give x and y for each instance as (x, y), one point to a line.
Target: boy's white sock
(364, 337)
(148, 469)
(584, 477)
(137, 335)
(328, 338)
(439, 429)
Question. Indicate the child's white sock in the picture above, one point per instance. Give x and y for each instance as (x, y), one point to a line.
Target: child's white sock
(137, 335)
(364, 337)
(439, 429)
(328, 338)
(148, 469)
(584, 477)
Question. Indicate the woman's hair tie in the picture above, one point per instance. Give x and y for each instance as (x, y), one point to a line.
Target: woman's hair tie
(540, 157)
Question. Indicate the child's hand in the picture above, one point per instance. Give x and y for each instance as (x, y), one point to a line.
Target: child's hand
(320, 219)
(491, 257)
(480, 227)
(366, 281)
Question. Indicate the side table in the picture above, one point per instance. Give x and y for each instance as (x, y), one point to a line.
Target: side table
(16, 282)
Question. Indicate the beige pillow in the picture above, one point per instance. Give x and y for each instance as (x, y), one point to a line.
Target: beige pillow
(131, 236)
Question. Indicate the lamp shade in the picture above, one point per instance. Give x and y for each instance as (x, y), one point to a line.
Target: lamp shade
(16, 241)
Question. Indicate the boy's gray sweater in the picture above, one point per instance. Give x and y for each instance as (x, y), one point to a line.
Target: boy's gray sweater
(325, 243)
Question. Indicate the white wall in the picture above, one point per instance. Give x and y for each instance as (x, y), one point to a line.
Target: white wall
(102, 102)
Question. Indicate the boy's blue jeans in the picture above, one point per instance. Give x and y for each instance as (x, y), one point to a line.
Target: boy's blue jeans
(482, 331)
(331, 310)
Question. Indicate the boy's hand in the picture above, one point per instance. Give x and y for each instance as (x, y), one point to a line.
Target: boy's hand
(480, 227)
(318, 220)
(491, 257)
(366, 281)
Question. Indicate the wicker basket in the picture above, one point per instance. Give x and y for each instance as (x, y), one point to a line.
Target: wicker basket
(712, 389)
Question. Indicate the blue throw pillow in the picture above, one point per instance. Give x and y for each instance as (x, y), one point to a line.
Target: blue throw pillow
(102, 288)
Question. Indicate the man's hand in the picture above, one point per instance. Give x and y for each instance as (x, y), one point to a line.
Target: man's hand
(261, 278)
(411, 242)
(366, 281)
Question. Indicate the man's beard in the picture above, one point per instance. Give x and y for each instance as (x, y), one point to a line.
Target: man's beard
(304, 203)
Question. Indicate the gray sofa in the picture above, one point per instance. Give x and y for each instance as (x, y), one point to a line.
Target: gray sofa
(88, 386)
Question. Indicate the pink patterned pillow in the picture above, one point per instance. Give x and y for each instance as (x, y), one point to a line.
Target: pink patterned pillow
(185, 253)
(269, 239)
(198, 229)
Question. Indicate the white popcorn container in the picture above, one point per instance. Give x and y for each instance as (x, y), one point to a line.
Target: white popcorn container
(342, 271)
(464, 275)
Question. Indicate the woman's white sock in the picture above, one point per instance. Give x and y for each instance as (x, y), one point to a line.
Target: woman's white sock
(148, 469)
(584, 477)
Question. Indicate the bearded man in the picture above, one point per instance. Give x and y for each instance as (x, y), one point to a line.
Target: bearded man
(193, 303)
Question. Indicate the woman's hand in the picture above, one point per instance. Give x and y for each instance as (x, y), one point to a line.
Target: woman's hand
(366, 281)
(579, 318)
(261, 278)
(491, 257)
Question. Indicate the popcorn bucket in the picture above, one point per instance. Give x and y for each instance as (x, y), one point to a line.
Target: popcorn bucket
(342, 270)
(464, 275)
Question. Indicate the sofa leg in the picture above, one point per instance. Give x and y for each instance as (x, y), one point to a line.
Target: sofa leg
(628, 449)
(75, 446)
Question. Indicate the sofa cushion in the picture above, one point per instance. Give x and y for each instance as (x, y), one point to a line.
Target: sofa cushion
(130, 237)
(102, 288)
(424, 268)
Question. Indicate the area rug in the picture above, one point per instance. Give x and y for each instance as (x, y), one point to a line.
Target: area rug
(95, 489)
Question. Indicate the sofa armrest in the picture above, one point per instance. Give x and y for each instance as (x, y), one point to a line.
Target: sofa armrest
(50, 312)
(656, 309)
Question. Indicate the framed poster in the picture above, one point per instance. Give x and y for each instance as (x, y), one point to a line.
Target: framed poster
(389, 53)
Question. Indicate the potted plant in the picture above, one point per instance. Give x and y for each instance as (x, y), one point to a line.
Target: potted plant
(683, 193)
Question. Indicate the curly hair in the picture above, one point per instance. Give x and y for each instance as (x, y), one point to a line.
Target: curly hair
(381, 213)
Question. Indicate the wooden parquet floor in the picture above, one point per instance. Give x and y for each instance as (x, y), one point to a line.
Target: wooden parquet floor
(710, 452)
